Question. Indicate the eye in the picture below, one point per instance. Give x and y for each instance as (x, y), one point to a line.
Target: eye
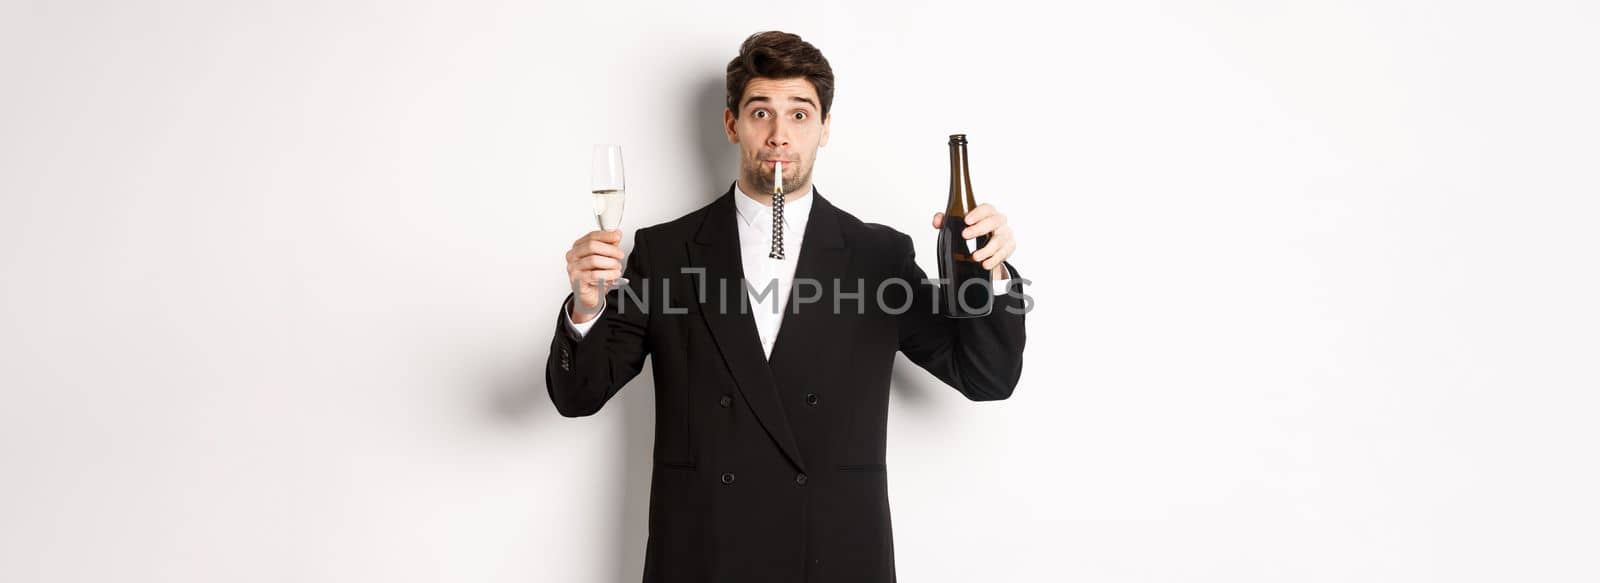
(800, 115)
(760, 114)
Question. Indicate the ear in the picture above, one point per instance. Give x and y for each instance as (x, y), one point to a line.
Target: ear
(727, 126)
(827, 121)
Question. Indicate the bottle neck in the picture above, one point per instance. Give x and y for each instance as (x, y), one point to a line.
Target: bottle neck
(961, 199)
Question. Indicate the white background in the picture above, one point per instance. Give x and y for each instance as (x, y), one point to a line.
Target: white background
(1315, 283)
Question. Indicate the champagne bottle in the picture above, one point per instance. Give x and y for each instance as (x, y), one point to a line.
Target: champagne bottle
(965, 290)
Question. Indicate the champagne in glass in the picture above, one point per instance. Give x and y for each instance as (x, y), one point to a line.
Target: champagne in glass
(608, 208)
(609, 191)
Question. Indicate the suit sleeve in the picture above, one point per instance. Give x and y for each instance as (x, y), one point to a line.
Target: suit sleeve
(980, 357)
(585, 370)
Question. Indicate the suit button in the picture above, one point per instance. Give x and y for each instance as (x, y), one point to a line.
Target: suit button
(727, 478)
(725, 401)
(811, 399)
(800, 479)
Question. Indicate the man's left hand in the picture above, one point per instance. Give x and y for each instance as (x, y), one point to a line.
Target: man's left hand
(985, 220)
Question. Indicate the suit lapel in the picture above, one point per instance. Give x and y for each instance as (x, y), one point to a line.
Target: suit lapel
(716, 248)
(811, 333)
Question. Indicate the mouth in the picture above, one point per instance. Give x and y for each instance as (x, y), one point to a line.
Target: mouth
(774, 162)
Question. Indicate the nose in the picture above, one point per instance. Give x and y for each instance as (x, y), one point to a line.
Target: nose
(779, 137)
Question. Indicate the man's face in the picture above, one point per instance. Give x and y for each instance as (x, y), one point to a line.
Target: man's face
(779, 119)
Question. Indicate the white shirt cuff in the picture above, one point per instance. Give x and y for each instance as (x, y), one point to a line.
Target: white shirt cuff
(1000, 286)
(582, 329)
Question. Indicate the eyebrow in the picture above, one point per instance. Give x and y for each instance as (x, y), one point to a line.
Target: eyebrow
(755, 98)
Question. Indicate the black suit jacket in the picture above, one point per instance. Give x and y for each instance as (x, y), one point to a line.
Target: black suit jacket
(773, 471)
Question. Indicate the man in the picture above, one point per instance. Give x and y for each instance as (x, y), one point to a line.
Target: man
(774, 322)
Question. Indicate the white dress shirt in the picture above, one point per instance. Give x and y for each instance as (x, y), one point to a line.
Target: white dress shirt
(761, 271)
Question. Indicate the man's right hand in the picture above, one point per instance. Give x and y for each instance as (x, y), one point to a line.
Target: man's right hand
(594, 257)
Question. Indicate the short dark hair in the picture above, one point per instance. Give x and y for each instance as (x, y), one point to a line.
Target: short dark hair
(776, 55)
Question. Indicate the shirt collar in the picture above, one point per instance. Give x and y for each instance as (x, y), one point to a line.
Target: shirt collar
(795, 211)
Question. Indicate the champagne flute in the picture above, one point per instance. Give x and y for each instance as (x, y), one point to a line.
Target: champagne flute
(606, 182)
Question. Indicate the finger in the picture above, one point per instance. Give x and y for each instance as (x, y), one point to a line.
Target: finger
(938, 220)
(583, 241)
(983, 227)
(594, 277)
(980, 213)
(606, 237)
(591, 262)
(590, 278)
(603, 248)
(579, 248)
(1001, 256)
(996, 242)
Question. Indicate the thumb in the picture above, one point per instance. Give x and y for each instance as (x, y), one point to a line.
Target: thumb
(938, 220)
